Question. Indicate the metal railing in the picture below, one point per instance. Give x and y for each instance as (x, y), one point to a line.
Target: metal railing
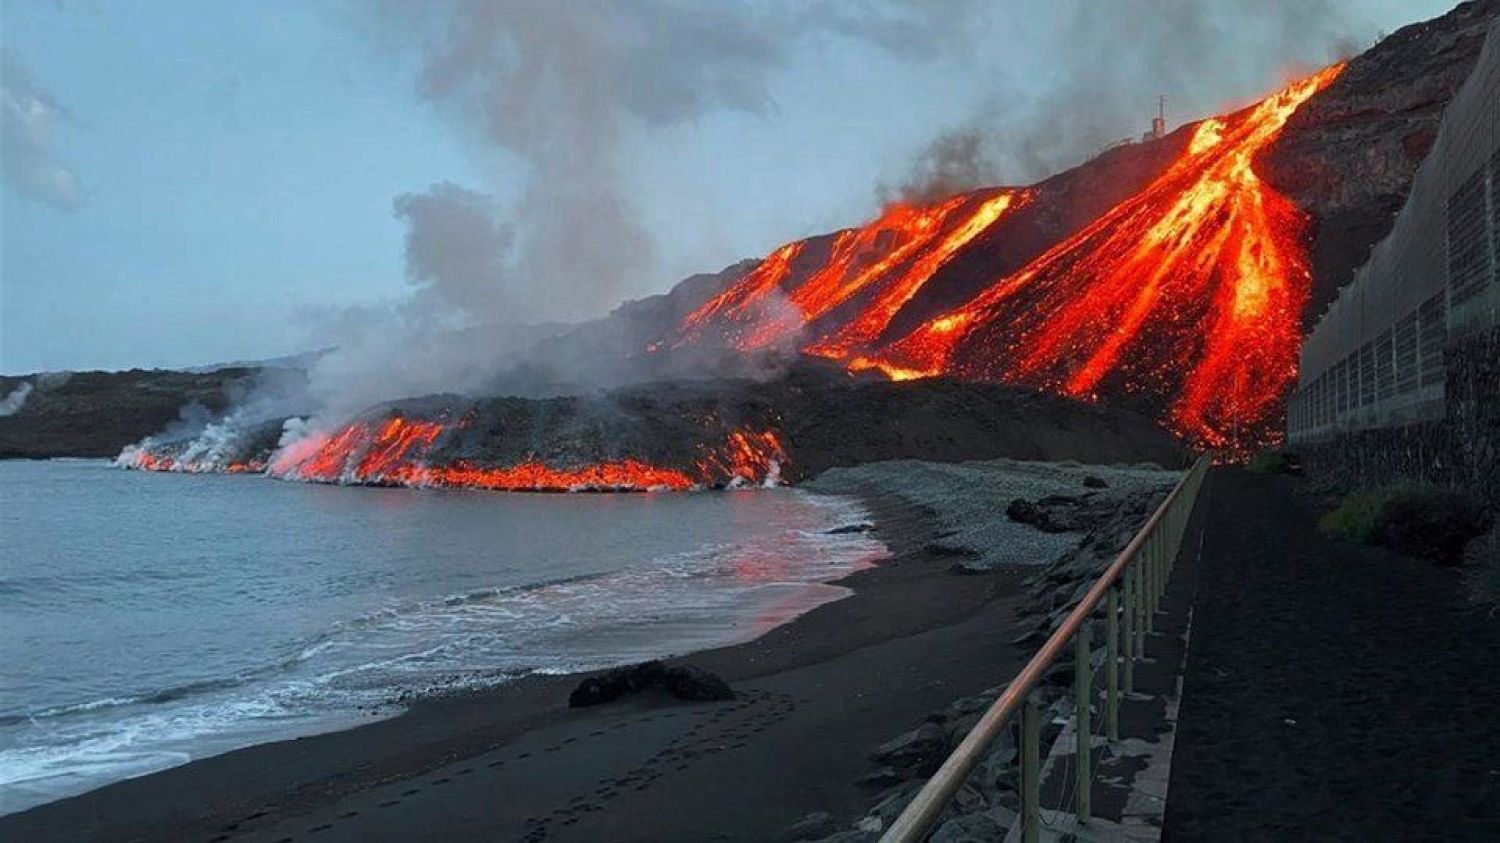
(1129, 590)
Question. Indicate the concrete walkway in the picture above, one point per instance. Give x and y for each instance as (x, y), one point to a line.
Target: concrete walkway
(1333, 692)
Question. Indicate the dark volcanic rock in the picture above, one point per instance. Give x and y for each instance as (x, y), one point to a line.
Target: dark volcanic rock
(1350, 152)
(684, 682)
(95, 414)
(1052, 514)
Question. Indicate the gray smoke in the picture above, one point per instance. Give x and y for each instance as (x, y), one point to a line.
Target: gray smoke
(29, 117)
(1108, 62)
(555, 86)
(957, 160)
(549, 91)
(456, 248)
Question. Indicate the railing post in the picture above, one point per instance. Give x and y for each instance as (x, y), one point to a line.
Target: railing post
(1083, 692)
(1112, 666)
(1031, 815)
(1129, 641)
(1138, 567)
(1148, 573)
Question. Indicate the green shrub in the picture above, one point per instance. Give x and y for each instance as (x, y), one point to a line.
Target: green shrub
(1274, 462)
(1428, 523)
(1357, 518)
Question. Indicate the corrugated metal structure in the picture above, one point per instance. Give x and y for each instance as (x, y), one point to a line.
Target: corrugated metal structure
(1376, 358)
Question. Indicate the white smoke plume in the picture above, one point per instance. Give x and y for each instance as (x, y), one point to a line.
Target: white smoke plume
(12, 403)
(29, 117)
(550, 90)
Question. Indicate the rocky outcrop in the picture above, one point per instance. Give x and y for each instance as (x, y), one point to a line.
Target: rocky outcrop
(682, 681)
(1349, 154)
(95, 414)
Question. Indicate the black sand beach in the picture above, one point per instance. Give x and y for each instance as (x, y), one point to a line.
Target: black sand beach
(815, 697)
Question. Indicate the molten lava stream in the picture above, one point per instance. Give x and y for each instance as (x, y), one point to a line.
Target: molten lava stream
(1191, 290)
(889, 259)
(398, 452)
(875, 317)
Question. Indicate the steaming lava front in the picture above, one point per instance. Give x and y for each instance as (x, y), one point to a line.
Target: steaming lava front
(400, 451)
(1187, 294)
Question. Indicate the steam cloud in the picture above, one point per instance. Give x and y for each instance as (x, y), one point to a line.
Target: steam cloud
(558, 85)
(1110, 61)
(553, 89)
(456, 247)
(27, 123)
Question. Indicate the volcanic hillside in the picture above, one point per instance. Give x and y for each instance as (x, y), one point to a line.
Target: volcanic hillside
(1173, 276)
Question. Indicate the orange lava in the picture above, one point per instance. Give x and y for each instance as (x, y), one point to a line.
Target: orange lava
(876, 268)
(1191, 289)
(144, 460)
(1189, 292)
(396, 452)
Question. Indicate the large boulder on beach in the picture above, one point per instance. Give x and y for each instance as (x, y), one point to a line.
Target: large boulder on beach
(682, 681)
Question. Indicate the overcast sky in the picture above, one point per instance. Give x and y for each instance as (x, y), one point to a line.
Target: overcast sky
(189, 182)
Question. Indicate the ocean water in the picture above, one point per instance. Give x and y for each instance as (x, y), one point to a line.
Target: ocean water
(149, 619)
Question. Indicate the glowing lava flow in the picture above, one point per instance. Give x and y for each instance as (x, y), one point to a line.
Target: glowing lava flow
(396, 453)
(878, 267)
(1191, 290)
(140, 457)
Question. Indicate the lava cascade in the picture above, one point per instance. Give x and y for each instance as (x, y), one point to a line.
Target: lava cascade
(877, 268)
(1192, 289)
(1188, 292)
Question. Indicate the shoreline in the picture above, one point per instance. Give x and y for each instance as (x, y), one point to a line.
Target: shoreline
(815, 697)
(905, 595)
(549, 621)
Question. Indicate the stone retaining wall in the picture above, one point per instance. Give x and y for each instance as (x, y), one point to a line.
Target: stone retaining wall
(1460, 451)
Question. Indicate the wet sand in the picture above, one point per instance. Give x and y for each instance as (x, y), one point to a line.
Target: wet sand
(510, 763)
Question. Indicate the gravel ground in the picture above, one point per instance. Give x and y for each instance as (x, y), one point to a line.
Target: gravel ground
(968, 501)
